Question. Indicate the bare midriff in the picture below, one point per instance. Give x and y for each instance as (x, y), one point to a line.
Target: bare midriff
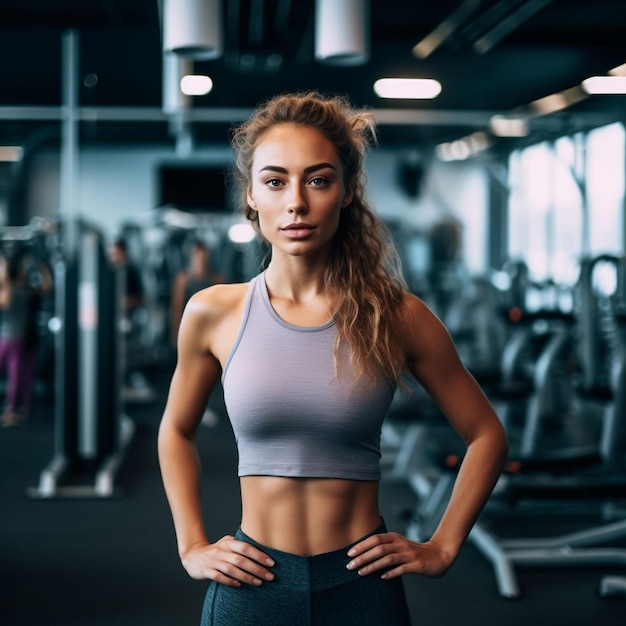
(308, 516)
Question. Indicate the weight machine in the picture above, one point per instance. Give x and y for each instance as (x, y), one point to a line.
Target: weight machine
(91, 433)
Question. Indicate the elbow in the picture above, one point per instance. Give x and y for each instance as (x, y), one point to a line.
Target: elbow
(492, 440)
(501, 444)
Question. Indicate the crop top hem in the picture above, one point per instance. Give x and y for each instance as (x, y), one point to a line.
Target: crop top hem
(311, 472)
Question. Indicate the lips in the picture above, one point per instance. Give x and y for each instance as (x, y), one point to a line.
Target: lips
(298, 230)
(298, 226)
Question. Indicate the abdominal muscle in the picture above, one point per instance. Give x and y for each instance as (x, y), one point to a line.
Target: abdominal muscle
(307, 516)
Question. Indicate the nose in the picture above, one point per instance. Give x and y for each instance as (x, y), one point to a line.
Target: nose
(297, 201)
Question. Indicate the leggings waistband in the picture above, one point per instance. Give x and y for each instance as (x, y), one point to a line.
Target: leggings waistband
(327, 569)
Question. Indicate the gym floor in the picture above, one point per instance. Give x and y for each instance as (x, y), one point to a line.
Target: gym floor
(113, 562)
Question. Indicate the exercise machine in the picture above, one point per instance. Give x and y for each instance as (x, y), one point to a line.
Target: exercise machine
(91, 432)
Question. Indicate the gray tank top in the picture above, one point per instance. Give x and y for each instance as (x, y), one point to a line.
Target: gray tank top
(291, 415)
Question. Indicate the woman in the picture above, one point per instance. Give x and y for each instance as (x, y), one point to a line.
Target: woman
(310, 352)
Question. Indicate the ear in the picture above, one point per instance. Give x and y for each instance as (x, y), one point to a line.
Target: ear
(347, 199)
(250, 200)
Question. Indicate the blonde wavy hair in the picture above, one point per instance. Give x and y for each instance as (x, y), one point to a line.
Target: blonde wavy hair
(363, 275)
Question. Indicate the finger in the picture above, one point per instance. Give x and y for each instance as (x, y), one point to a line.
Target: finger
(248, 550)
(222, 579)
(376, 552)
(376, 563)
(369, 543)
(244, 569)
(234, 576)
(394, 572)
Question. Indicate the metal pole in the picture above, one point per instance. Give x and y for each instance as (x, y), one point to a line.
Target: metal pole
(69, 137)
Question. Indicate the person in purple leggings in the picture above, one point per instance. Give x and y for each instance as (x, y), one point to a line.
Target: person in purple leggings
(18, 340)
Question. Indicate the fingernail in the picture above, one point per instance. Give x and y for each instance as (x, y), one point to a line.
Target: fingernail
(351, 552)
(269, 562)
(351, 565)
(257, 582)
(269, 576)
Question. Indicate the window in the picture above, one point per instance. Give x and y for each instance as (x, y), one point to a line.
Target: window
(567, 200)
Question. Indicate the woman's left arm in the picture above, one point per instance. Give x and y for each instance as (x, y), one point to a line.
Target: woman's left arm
(433, 360)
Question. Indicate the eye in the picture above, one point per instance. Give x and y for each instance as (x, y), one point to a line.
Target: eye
(318, 181)
(273, 182)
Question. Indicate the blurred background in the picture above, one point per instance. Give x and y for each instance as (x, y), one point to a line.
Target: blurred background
(500, 170)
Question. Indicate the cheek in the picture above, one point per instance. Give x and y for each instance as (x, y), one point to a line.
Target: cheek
(263, 219)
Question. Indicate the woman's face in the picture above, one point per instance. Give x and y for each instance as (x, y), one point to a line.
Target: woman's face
(297, 189)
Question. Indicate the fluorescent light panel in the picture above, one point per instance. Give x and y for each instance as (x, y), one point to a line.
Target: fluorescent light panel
(407, 88)
(464, 148)
(195, 85)
(241, 233)
(605, 85)
(503, 126)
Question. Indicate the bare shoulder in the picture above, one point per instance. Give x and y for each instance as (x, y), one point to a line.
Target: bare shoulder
(422, 331)
(218, 300)
(414, 309)
(212, 317)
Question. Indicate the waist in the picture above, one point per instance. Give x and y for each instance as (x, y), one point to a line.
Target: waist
(339, 555)
(308, 516)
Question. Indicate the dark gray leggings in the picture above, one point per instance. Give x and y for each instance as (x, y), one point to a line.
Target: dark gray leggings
(309, 591)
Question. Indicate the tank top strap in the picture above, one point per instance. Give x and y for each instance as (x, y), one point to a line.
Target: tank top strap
(253, 292)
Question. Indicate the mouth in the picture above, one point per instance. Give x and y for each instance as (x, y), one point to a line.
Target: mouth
(298, 226)
(298, 230)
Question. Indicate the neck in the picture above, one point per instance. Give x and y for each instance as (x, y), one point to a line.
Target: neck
(295, 281)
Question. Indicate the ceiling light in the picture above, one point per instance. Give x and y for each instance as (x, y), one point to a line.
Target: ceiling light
(193, 28)
(411, 88)
(605, 85)
(342, 32)
(464, 148)
(196, 85)
(241, 233)
(503, 126)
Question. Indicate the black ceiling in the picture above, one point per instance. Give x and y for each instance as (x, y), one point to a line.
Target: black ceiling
(550, 46)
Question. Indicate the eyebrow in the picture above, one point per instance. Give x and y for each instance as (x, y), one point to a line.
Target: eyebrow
(307, 170)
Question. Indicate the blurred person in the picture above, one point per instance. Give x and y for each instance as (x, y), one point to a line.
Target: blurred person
(195, 277)
(198, 275)
(133, 286)
(19, 303)
(135, 318)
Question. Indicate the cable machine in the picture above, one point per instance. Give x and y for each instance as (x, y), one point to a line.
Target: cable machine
(91, 433)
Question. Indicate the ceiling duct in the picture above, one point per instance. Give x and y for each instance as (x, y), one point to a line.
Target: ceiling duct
(174, 68)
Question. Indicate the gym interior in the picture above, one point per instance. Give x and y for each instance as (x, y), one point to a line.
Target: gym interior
(503, 188)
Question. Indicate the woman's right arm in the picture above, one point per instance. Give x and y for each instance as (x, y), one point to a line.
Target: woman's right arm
(227, 561)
